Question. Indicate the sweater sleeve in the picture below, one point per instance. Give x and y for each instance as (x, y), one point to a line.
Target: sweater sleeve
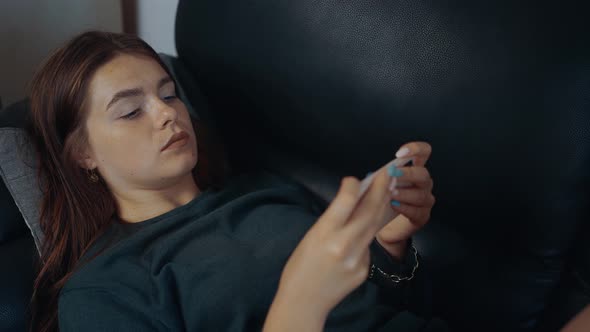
(94, 310)
(402, 283)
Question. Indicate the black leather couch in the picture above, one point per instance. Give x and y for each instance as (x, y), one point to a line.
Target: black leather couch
(321, 89)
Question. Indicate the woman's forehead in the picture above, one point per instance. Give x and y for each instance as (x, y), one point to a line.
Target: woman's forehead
(124, 72)
(127, 69)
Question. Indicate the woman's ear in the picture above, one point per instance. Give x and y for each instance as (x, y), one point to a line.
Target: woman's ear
(85, 159)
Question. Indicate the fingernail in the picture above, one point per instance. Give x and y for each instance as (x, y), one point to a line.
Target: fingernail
(395, 203)
(391, 169)
(394, 171)
(368, 174)
(402, 152)
(395, 192)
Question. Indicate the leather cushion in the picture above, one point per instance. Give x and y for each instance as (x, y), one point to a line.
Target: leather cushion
(499, 93)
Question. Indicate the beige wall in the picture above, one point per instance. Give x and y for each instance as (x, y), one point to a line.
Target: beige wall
(30, 29)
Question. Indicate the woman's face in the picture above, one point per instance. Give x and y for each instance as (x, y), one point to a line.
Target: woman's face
(133, 112)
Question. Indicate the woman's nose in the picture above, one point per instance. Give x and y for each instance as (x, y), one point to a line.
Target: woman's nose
(165, 113)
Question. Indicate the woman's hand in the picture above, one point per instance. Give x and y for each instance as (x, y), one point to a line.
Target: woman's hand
(333, 257)
(414, 194)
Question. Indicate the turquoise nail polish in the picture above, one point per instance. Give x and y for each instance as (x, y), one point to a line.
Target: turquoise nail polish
(395, 203)
(392, 170)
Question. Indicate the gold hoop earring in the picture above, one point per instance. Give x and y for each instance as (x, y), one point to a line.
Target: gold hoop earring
(92, 176)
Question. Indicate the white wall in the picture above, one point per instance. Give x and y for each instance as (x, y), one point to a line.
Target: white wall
(155, 24)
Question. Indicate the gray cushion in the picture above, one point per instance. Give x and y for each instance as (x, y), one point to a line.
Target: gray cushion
(17, 168)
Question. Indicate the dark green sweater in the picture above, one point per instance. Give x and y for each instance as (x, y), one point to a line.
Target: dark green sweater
(214, 264)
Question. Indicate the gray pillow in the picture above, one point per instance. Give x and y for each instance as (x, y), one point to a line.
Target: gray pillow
(18, 171)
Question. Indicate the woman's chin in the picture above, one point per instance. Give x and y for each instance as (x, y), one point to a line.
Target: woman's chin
(184, 167)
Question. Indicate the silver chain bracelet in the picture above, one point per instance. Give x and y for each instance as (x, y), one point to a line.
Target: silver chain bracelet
(393, 277)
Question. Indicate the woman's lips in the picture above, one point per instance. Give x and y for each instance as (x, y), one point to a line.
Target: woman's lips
(176, 141)
(177, 144)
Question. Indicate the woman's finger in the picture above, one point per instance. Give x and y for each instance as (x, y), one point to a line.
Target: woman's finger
(414, 196)
(417, 214)
(420, 150)
(417, 175)
(368, 217)
(398, 229)
(343, 204)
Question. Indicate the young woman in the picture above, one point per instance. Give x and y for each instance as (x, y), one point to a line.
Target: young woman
(146, 229)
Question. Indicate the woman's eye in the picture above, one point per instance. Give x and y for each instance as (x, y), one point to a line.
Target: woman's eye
(168, 98)
(131, 115)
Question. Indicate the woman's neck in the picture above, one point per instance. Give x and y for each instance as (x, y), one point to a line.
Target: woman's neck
(141, 204)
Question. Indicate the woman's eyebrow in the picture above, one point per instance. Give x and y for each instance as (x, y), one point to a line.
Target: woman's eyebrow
(164, 80)
(136, 91)
(125, 94)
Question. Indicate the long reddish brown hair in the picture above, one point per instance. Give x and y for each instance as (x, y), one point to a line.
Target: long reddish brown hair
(74, 210)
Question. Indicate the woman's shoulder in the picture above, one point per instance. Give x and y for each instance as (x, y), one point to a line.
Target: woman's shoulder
(94, 269)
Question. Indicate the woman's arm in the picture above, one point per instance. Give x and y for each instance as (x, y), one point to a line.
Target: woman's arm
(287, 315)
